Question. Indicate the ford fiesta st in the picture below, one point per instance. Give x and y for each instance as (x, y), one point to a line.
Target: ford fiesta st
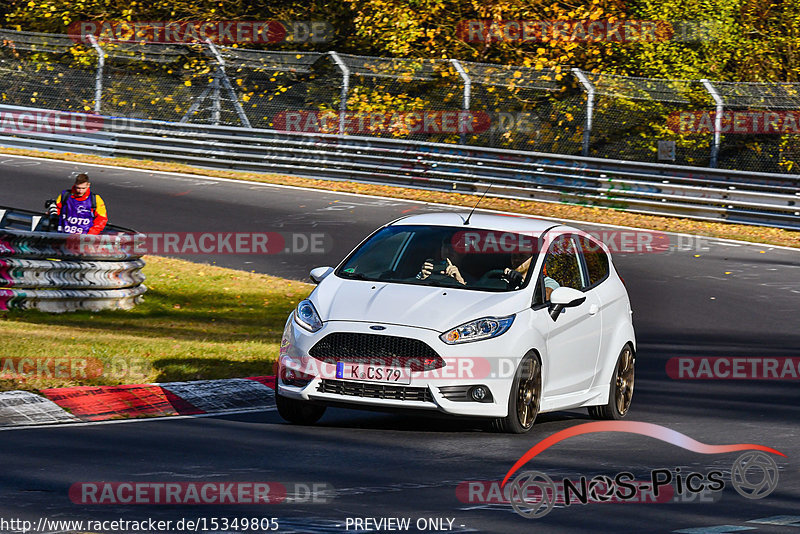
(483, 315)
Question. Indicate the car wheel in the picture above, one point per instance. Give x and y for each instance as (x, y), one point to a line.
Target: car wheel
(523, 402)
(621, 389)
(298, 412)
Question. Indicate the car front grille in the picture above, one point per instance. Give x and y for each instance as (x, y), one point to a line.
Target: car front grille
(376, 349)
(375, 391)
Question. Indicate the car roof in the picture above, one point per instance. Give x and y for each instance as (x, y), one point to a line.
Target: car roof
(481, 221)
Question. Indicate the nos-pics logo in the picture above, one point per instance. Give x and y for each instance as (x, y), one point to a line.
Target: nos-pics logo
(533, 494)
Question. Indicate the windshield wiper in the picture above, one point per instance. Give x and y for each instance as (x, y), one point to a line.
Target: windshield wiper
(354, 276)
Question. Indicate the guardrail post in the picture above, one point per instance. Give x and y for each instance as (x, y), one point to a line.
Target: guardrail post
(215, 104)
(467, 96)
(717, 120)
(222, 77)
(345, 89)
(98, 77)
(589, 88)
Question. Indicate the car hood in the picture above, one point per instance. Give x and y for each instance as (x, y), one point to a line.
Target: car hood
(434, 308)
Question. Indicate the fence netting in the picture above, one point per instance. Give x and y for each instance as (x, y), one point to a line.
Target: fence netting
(433, 100)
(762, 126)
(632, 115)
(278, 89)
(532, 109)
(417, 99)
(46, 71)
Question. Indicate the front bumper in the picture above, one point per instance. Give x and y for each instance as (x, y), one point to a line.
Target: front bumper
(483, 363)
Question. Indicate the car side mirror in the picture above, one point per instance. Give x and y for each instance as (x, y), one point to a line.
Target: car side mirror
(564, 297)
(318, 274)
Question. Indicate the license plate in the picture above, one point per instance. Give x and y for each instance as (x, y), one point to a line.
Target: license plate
(373, 373)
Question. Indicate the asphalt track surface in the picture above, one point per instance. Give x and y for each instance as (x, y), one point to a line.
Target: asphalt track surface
(388, 465)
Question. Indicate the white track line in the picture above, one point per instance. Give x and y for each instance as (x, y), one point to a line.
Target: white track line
(364, 195)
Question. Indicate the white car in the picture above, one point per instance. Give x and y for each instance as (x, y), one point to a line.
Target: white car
(470, 315)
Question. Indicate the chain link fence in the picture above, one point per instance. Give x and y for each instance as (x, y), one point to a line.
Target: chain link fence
(747, 126)
(632, 115)
(47, 70)
(755, 147)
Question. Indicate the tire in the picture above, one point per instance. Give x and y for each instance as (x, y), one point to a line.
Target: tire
(524, 399)
(298, 412)
(620, 392)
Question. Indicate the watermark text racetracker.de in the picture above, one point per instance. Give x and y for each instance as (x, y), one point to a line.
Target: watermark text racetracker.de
(166, 243)
(225, 32)
(200, 493)
(585, 31)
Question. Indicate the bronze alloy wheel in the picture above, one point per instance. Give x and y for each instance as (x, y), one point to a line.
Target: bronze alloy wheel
(529, 392)
(523, 399)
(623, 392)
(620, 392)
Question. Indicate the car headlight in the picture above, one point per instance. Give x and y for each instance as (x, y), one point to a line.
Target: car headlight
(485, 328)
(307, 317)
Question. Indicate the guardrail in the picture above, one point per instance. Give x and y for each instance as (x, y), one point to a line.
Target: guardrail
(52, 272)
(698, 193)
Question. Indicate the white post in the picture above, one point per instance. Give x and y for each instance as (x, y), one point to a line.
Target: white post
(98, 77)
(215, 104)
(467, 96)
(717, 120)
(589, 88)
(345, 89)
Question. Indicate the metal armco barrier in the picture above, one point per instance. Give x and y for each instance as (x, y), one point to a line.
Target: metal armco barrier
(693, 192)
(44, 274)
(53, 272)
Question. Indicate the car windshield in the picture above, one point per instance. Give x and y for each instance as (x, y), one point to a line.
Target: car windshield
(444, 257)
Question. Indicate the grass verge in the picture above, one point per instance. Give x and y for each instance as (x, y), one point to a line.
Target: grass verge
(741, 232)
(197, 322)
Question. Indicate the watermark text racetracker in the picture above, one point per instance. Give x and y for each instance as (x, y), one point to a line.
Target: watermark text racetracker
(166, 243)
(733, 368)
(745, 122)
(622, 241)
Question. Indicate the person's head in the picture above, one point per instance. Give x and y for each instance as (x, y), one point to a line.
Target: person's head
(81, 184)
(447, 250)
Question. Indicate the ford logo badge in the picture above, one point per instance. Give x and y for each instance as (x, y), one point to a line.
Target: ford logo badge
(377, 327)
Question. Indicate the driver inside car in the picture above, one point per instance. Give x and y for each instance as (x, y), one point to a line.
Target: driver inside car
(447, 266)
(520, 264)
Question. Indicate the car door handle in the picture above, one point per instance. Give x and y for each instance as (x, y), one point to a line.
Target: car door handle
(593, 309)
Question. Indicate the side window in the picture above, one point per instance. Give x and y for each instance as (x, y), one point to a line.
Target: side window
(596, 260)
(561, 266)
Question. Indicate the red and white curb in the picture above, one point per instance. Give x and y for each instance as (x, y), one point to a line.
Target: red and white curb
(104, 403)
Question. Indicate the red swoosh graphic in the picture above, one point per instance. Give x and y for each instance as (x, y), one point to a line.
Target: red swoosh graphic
(634, 427)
